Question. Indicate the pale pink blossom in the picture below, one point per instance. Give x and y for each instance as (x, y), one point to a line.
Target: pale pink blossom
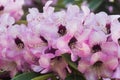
(14, 8)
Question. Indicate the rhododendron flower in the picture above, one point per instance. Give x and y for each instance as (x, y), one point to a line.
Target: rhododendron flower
(14, 8)
(99, 66)
(90, 40)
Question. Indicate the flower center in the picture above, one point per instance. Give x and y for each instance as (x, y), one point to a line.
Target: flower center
(72, 42)
(98, 64)
(19, 43)
(50, 50)
(96, 48)
(1, 8)
(62, 30)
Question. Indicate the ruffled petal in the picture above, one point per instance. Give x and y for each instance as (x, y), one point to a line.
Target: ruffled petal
(97, 37)
(98, 56)
(110, 48)
(116, 74)
(111, 62)
(83, 66)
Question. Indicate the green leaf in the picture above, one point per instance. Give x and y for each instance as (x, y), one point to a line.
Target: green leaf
(26, 76)
(68, 60)
(43, 77)
(94, 4)
(75, 77)
(78, 2)
(61, 4)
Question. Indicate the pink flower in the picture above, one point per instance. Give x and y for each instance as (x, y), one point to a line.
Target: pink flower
(14, 8)
(101, 54)
(37, 20)
(102, 66)
(90, 39)
(96, 37)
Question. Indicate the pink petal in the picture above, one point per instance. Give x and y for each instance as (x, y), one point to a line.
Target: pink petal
(72, 26)
(83, 66)
(97, 37)
(110, 48)
(111, 62)
(36, 68)
(72, 11)
(106, 79)
(45, 71)
(44, 62)
(85, 9)
(90, 21)
(115, 31)
(90, 75)
(116, 74)
(119, 53)
(107, 73)
(62, 44)
(74, 57)
(98, 56)
(101, 21)
(48, 10)
(84, 35)
(33, 12)
(114, 17)
(86, 49)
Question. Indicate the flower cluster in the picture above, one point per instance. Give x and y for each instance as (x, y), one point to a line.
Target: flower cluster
(13, 7)
(92, 40)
